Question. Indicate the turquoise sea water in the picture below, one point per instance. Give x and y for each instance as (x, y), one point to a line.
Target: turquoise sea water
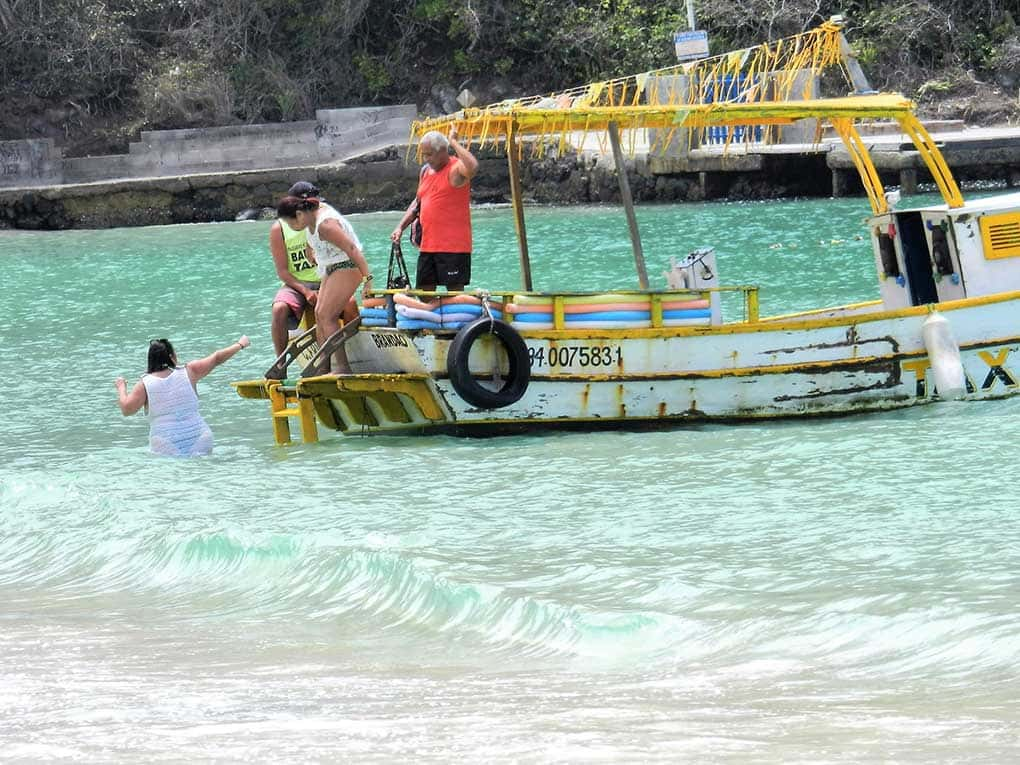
(836, 590)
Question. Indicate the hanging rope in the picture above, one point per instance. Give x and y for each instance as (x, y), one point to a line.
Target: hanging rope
(765, 73)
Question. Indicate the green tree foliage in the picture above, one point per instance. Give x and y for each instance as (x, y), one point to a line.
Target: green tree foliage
(180, 63)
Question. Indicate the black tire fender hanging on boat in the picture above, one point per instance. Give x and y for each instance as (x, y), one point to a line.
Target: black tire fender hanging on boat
(470, 389)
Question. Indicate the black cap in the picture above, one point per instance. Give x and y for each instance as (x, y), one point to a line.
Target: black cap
(303, 189)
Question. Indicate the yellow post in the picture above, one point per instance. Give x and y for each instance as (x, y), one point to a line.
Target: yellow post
(559, 315)
(656, 310)
(277, 409)
(933, 159)
(862, 161)
(309, 430)
(283, 407)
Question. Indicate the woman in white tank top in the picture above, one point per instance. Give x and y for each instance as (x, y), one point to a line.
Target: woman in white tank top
(167, 391)
(341, 264)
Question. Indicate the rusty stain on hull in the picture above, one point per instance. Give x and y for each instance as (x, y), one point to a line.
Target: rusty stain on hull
(891, 370)
(851, 341)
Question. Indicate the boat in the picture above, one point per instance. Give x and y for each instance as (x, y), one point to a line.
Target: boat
(945, 323)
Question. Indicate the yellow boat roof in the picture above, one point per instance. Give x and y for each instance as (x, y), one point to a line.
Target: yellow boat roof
(491, 123)
(762, 84)
(772, 84)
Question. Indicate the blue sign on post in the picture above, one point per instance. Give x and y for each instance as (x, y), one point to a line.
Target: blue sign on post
(691, 44)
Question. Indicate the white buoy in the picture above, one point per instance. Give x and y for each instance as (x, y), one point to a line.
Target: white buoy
(944, 357)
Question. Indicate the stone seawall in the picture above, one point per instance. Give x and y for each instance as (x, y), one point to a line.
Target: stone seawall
(383, 180)
(334, 135)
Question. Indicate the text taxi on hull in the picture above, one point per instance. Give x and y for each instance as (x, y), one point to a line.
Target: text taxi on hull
(945, 323)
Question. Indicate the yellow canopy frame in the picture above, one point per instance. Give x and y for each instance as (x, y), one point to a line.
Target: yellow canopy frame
(494, 125)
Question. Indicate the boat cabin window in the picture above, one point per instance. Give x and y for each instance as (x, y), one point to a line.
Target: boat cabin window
(940, 251)
(916, 258)
(887, 251)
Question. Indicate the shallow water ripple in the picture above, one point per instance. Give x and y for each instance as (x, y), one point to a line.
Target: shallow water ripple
(837, 590)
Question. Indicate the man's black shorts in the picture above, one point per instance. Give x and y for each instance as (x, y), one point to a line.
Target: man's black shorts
(443, 268)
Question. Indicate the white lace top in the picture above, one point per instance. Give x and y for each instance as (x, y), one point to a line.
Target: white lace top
(327, 253)
(176, 429)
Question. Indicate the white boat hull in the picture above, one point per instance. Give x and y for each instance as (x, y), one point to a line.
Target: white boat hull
(798, 366)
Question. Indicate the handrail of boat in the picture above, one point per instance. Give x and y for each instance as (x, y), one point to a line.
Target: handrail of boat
(749, 292)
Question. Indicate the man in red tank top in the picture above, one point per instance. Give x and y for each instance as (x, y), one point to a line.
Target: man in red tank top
(443, 206)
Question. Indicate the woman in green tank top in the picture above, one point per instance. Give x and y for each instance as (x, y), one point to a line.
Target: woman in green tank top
(296, 269)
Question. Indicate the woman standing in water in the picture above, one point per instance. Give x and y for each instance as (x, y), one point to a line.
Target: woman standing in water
(168, 393)
(341, 264)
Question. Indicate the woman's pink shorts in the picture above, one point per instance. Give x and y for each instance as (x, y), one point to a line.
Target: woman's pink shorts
(293, 298)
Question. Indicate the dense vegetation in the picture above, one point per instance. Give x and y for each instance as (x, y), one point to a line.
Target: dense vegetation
(94, 72)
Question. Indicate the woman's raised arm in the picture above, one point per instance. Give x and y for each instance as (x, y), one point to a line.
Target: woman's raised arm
(201, 367)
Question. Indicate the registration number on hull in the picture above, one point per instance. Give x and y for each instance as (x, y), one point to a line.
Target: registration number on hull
(576, 355)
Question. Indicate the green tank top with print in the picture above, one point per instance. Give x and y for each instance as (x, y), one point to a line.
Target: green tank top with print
(298, 263)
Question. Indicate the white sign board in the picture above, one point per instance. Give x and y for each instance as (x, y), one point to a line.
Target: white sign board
(691, 45)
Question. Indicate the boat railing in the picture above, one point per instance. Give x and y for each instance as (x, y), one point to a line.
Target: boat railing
(556, 310)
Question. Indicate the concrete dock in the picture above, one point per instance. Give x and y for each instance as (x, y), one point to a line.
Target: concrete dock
(384, 179)
(973, 154)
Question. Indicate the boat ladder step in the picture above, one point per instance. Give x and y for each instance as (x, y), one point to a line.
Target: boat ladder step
(285, 404)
